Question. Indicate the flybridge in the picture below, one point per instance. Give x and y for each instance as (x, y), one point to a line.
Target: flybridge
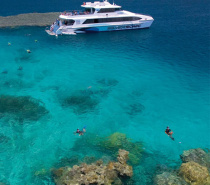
(98, 4)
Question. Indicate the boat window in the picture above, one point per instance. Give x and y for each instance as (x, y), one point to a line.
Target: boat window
(88, 10)
(96, 21)
(68, 22)
(117, 9)
(117, 19)
(106, 10)
(135, 18)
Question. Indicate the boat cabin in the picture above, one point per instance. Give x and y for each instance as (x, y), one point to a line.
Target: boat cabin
(93, 8)
(101, 7)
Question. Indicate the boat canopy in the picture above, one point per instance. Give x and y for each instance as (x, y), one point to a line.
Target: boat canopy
(99, 5)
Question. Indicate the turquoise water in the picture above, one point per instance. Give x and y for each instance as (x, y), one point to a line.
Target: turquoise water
(141, 81)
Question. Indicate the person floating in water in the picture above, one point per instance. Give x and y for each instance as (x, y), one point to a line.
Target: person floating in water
(80, 132)
(169, 132)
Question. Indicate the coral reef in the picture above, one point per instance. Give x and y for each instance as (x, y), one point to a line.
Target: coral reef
(115, 141)
(42, 175)
(87, 100)
(65, 161)
(167, 178)
(95, 173)
(194, 170)
(110, 146)
(197, 155)
(41, 172)
(119, 140)
(81, 103)
(15, 83)
(22, 107)
(89, 159)
(194, 173)
(134, 109)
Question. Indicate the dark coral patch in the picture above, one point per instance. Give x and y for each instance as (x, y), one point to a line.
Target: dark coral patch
(22, 107)
(81, 103)
(135, 109)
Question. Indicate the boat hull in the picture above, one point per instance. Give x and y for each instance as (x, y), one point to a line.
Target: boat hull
(119, 27)
(102, 28)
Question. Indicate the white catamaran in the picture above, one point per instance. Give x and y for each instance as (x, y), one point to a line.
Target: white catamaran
(98, 16)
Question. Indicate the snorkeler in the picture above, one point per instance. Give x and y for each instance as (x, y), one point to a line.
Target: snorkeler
(169, 132)
(80, 132)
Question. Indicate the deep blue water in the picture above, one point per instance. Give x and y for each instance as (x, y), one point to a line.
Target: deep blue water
(164, 71)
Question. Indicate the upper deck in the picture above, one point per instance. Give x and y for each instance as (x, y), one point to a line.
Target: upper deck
(99, 5)
(98, 10)
(92, 9)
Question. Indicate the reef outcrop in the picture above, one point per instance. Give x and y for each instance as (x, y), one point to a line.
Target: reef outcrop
(119, 140)
(168, 178)
(194, 173)
(197, 155)
(194, 170)
(110, 145)
(95, 173)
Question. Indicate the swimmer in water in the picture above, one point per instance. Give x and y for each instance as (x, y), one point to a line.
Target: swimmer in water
(169, 132)
(80, 132)
(28, 51)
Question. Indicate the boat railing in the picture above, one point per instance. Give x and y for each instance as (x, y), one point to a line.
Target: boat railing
(75, 12)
